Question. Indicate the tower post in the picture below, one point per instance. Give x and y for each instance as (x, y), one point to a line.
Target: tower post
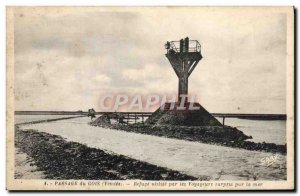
(184, 56)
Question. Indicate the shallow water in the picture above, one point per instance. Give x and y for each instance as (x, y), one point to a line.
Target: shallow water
(272, 131)
(192, 158)
(31, 118)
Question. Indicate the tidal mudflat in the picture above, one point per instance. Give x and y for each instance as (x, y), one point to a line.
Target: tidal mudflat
(190, 158)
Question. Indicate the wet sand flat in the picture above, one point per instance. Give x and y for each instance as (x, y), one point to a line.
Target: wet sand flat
(43, 155)
(192, 158)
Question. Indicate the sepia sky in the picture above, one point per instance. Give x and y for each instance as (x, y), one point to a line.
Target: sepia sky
(66, 58)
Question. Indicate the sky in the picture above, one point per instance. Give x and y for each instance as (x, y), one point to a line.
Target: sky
(67, 58)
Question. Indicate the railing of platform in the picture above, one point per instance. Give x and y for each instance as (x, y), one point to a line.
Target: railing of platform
(194, 46)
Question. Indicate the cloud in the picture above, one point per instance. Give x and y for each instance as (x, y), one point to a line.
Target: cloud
(65, 58)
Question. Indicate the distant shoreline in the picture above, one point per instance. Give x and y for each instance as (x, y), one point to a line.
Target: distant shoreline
(272, 117)
(220, 115)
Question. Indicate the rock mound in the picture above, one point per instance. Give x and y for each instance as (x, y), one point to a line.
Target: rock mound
(103, 120)
(200, 117)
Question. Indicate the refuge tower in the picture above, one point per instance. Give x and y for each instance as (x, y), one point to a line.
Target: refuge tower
(184, 55)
